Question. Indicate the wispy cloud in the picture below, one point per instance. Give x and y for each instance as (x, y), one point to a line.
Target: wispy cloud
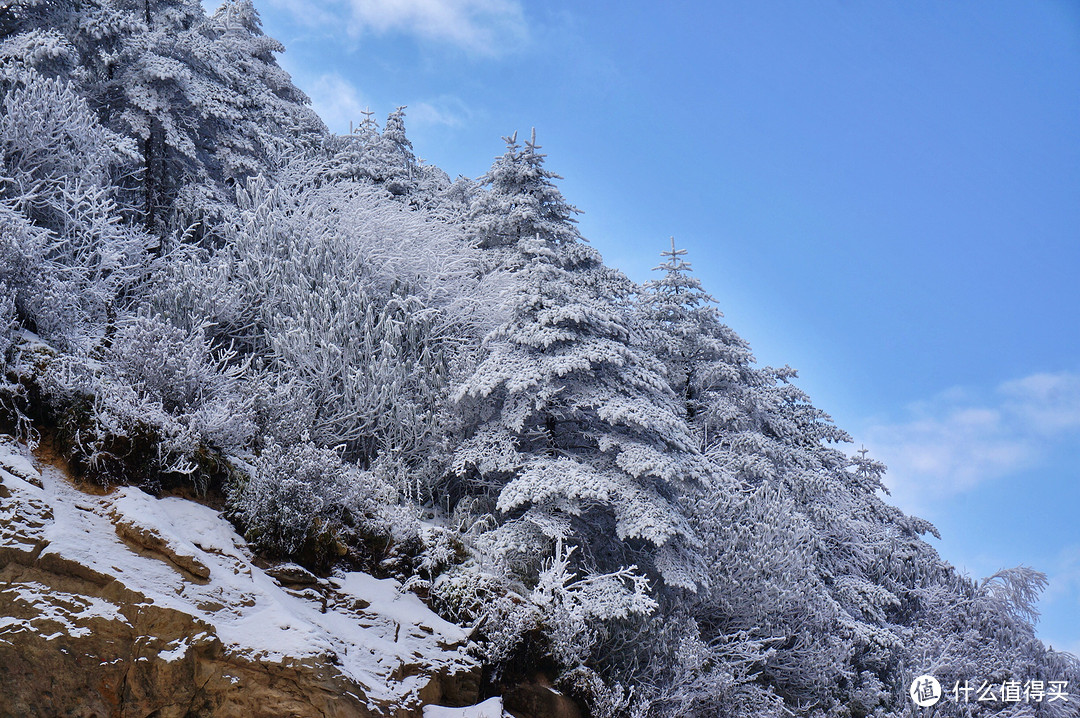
(444, 111)
(957, 440)
(337, 101)
(484, 27)
(1049, 403)
(479, 27)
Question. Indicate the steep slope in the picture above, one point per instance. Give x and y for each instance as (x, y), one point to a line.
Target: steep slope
(123, 604)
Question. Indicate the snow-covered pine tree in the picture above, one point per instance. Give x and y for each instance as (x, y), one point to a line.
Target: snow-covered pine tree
(579, 436)
(984, 628)
(393, 155)
(779, 478)
(520, 201)
(765, 608)
(385, 158)
(349, 153)
(203, 98)
(272, 115)
(707, 363)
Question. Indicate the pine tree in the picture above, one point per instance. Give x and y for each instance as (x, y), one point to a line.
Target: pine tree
(202, 97)
(521, 201)
(396, 163)
(271, 114)
(385, 158)
(788, 530)
(579, 435)
(351, 152)
(705, 360)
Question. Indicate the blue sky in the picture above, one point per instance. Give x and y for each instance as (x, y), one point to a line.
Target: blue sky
(883, 195)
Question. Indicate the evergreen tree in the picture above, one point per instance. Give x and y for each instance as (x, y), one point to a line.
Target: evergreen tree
(350, 153)
(706, 361)
(795, 541)
(521, 201)
(203, 97)
(386, 158)
(271, 114)
(579, 434)
(395, 163)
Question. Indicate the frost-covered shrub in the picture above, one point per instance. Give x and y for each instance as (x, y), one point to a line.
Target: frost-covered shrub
(355, 309)
(562, 623)
(604, 701)
(173, 367)
(296, 491)
(183, 379)
(65, 253)
(572, 609)
(441, 548)
(156, 403)
(466, 592)
(12, 393)
(562, 619)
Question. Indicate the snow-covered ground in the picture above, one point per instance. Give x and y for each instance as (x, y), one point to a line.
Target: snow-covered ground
(384, 639)
(491, 708)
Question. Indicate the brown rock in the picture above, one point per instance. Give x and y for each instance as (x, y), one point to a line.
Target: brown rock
(537, 699)
(291, 574)
(147, 539)
(76, 641)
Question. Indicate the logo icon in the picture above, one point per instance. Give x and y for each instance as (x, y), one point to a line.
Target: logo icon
(925, 691)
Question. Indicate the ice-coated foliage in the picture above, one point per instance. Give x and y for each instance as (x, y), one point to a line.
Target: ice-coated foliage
(573, 609)
(202, 98)
(65, 254)
(8, 322)
(443, 382)
(154, 403)
(294, 491)
(576, 424)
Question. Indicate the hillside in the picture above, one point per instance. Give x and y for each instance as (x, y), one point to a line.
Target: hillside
(124, 604)
(328, 433)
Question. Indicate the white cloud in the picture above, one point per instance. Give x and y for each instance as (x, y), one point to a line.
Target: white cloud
(485, 27)
(480, 27)
(337, 101)
(445, 110)
(1049, 402)
(310, 13)
(954, 442)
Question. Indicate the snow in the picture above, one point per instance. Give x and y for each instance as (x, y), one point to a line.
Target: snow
(491, 708)
(176, 653)
(386, 598)
(57, 610)
(17, 464)
(371, 629)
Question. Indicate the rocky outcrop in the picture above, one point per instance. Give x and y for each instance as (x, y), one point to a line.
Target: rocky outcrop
(538, 699)
(126, 605)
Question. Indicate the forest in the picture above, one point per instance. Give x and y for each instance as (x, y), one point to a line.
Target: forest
(363, 362)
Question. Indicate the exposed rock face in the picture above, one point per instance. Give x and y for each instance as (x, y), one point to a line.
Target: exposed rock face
(539, 700)
(125, 605)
